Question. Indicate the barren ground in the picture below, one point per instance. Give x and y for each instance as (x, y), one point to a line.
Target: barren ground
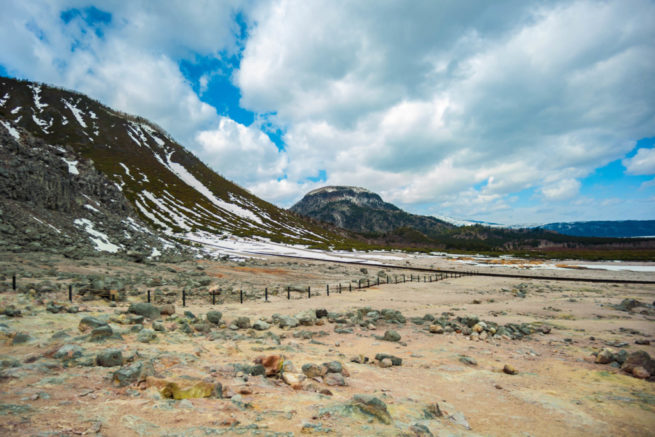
(559, 389)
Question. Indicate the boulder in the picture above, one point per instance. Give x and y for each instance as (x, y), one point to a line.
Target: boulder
(133, 373)
(242, 322)
(639, 359)
(167, 310)
(395, 361)
(260, 325)
(605, 356)
(312, 370)
(306, 318)
(68, 351)
(372, 406)
(145, 309)
(109, 358)
(89, 323)
(391, 336)
(214, 317)
(272, 363)
(333, 379)
(146, 336)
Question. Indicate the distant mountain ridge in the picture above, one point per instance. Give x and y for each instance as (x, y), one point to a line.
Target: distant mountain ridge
(161, 184)
(360, 210)
(613, 229)
(365, 213)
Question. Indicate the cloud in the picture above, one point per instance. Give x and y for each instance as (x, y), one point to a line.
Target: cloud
(132, 64)
(241, 153)
(561, 190)
(432, 100)
(643, 163)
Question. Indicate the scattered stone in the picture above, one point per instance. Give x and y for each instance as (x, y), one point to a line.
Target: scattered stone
(605, 356)
(639, 359)
(386, 363)
(242, 322)
(510, 370)
(21, 337)
(332, 379)
(167, 310)
(272, 364)
(640, 372)
(261, 325)
(185, 389)
(468, 360)
(333, 367)
(313, 370)
(359, 359)
(628, 305)
(436, 329)
(146, 336)
(372, 406)
(133, 373)
(158, 326)
(642, 342)
(420, 430)
(145, 309)
(101, 333)
(391, 335)
(293, 379)
(68, 352)
(321, 313)
(89, 323)
(109, 358)
(287, 322)
(432, 411)
(306, 318)
(394, 359)
(214, 317)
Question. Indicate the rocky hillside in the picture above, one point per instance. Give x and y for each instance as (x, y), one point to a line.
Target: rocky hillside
(74, 171)
(363, 211)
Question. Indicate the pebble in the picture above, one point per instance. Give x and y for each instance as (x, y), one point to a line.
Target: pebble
(510, 370)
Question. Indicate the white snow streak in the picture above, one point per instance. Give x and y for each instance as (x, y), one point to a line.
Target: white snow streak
(72, 166)
(100, 240)
(76, 113)
(12, 131)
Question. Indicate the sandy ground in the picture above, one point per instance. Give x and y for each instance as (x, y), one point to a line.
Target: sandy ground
(558, 390)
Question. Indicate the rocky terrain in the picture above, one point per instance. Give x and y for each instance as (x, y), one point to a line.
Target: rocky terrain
(70, 166)
(460, 356)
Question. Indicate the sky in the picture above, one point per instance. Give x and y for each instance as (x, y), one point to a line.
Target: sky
(512, 111)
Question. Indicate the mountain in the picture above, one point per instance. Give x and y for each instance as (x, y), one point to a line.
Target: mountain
(359, 210)
(616, 229)
(75, 173)
(382, 224)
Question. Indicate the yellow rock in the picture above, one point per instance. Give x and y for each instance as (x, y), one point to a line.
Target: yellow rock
(184, 389)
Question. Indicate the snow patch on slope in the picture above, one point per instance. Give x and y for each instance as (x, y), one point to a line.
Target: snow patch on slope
(12, 131)
(77, 113)
(100, 240)
(72, 166)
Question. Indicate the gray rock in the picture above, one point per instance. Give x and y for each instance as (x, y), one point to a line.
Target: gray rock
(158, 326)
(214, 317)
(145, 309)
(306, 318)
(21, 337)
(312, 370)
(391, 336)
(133, 373)
(261, 325)
(333, 367)
(372, 406)
(147, 336)
(68, 351)
(101, 333)
(468, 360)
(394, 360)
(333, 379)
(288, 322)
(109, 358)
(242, 322)
(88, 323)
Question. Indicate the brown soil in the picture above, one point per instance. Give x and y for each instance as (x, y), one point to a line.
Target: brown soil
(559, 390)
